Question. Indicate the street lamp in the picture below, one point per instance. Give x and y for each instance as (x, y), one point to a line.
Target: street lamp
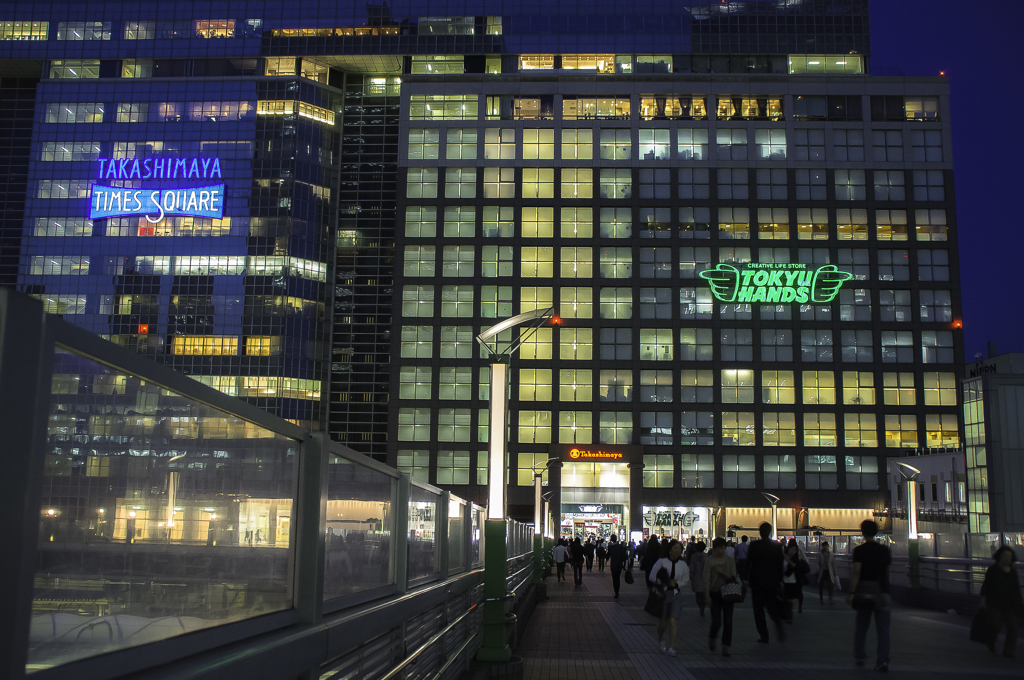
(493, 646)
(774, 500)
(910, 474)
(538, 534)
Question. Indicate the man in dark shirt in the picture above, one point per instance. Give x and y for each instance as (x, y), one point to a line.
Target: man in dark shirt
(617, 559)
(869, 592)
(764, 573)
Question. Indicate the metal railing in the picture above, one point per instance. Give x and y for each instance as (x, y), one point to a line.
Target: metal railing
(164, 527)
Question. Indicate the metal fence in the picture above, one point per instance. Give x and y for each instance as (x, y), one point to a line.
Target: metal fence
(163, 527)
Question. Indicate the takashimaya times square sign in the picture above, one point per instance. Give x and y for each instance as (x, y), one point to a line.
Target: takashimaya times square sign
(155, 204)
(770, 283)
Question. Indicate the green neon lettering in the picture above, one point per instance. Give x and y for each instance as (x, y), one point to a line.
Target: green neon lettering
(774, 293)
(761, 278)
(791, 278)
(759, 294)
(801, 294)
(746, 277)
(745, 293)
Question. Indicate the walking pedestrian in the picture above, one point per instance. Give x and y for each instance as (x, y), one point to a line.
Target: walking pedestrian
(869, 595)
(602, 554)
(1000, 598)
(719, 569)
(652, 553)
(764, 564)
(588, 551)
(631, 553)
(794, 576)
(826, 572)
(616, 561)
(741, 556)
(576, 557)
(559, 554)
(696, 566)
(669, 573)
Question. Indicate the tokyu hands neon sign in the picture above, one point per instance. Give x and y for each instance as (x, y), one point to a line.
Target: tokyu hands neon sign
(155, 204)
(775, 283)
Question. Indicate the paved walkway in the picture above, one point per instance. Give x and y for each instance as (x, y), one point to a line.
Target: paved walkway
(584, 633)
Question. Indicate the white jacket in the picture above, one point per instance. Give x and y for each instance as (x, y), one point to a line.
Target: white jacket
(682, 572)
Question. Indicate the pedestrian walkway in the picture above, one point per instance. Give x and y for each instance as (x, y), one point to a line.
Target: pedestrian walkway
(584, 633)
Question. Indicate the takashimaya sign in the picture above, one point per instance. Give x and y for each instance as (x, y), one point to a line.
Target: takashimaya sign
(775, 283)
(587, 454)
(154, 204)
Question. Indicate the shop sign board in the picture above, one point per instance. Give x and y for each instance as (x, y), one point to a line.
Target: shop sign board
(155, 203)
(775, 283)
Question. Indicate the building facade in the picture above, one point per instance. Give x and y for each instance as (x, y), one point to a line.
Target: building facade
(749, 240)
(993, 404)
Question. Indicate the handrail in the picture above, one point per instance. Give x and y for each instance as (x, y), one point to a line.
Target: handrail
(453, 657)
(409, 659)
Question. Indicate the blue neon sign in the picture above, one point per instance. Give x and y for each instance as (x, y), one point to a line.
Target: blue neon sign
(119, 202)
(155, 204)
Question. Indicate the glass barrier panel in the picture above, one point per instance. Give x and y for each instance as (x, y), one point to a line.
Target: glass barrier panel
(456, 534)
(949, 545)
(360, 524)
(984, 545)
(160, 516)
(475, 557)
(423, 547)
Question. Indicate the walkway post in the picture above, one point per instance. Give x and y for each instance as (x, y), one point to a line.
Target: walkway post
(910, 474)
(494, 646)
(774, 500)
(538, 534)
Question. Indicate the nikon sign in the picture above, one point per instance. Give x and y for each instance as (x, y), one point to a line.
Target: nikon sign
(775, 283)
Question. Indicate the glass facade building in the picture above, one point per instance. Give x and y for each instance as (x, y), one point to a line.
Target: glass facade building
(397, 177)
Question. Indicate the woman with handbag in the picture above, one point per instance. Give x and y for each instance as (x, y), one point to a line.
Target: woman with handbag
(826, 572)
(695, 562)
(1001, 600)
(719, 572)
(668, 574)
(794, 576)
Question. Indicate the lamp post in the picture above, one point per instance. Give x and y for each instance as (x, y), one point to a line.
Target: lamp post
(538, 529)
(910, 474)
(774, 500)
(494, 646)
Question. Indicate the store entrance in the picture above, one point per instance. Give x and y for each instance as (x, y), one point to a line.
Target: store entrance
(595, 499)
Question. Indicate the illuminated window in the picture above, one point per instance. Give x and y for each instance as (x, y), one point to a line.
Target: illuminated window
(616, 263)
(222, 28)
(458, 261)
(891, 225)
(771, 144)
(931, 224)
(69, 151)
(500, 143)
(589, 108)
(419, 260)
(819, 429)
(576, 182)
(457, 301)
(263, 346)
(616, 183)
(459, 221)
(496, 261)
(498, 222)
(456, 342)
(819, 387)
(52, 265)
(576, 303)
(417, 342)
(939, 389)
(535, 297)
(654, 144)
(860, 430)
(778, 387)
(576, 427)
(577, 144)
(453, 467)
(414, 382)
(738, 429)
(62, 304)
(438, 64)
(616, 223)
(733, 223)
(423, 143)
(534, 427)
(812, 224)
(499, 183)
(279, 66)
(538, 183)
(656, 386)
(859, 388)
(576, 344)
(455, 382)
(778, 429)
(616, 385)
(534, 384)
(577, 222)
(461, 143)
(418, 301)
(538, 144)
(697, 386)
(453, 425)
(23, 30)
(839, 64)
(205, 345)
(737, 386)
(461, 182)
(658, 471)
(71, 112)
(533, 62)
(901, 432)
(420, 221)
(495, 301)
(421, 183)
(536, 344)
(537, 262)
(773, 223)
(83, 30)
(898, 389)
(941, 431)
(444, 107)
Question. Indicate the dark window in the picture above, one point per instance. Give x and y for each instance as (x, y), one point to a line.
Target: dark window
(887, 108)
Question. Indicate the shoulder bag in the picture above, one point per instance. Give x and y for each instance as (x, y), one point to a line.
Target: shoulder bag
(628, 577)
(733, 591)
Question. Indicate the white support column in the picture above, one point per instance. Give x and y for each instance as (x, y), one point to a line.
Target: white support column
(497, 433)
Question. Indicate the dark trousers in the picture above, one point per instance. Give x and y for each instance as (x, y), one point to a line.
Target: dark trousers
(721, 610)
(615, 579)
(701, 602)
(577, 572)
(1000, 617)
(600, 563)
(764, 600)
(825, 582)
(590, 562)
(561, 570)
(883, 617)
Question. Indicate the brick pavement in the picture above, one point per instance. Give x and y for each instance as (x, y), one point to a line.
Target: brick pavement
(585, 633)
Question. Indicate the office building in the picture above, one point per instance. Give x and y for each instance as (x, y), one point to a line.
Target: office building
(748, 238)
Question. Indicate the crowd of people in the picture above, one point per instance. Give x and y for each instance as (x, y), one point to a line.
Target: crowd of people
(774, 574)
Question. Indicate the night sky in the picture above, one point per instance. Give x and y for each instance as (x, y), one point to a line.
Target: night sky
(979, 46)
